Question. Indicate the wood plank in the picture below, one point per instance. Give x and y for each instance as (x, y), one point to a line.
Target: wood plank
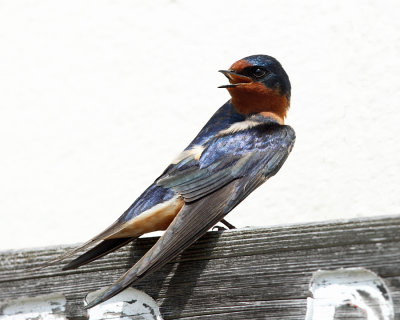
(252, 273)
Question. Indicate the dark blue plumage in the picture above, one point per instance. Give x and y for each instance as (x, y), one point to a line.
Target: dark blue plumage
(217, 149)
(277, 78)
(152, 196)
(222, 119)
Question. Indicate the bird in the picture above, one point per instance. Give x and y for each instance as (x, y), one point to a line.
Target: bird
(242, 145)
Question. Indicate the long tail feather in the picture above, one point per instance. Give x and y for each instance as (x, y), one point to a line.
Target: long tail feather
(103, 248)
(114, 228)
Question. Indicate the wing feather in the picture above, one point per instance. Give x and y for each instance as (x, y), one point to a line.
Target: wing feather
(189, 225)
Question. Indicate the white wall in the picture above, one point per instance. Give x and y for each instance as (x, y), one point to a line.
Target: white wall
(97, 97)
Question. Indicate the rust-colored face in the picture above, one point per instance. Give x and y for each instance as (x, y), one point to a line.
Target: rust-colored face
(240, 65)
(250, 94)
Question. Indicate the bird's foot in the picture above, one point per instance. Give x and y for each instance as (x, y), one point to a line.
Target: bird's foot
(218, 228)
(226, 223)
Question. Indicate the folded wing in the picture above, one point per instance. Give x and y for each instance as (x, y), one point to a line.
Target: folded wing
(229, 168)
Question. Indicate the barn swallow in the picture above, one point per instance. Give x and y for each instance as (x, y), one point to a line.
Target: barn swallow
(243, 144)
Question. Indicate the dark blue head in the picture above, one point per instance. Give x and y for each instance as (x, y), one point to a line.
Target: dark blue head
(265, 69)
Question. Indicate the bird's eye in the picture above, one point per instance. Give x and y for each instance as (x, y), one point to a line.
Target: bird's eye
(259, 73)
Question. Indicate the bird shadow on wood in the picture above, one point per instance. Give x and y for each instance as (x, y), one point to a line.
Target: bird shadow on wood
(153, 283)
(186, 272)
(172, 286)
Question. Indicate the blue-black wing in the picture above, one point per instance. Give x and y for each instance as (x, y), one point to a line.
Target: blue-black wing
(212, 182)
(256, 153)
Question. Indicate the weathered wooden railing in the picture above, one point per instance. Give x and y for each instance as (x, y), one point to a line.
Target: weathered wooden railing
(252, 273)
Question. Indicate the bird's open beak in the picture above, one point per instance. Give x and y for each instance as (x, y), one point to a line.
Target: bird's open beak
(234, 78)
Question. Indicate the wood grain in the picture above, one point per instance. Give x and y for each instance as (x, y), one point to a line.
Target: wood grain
(252, 273)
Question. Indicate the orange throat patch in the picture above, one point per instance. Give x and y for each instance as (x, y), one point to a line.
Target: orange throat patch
(256, 98)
